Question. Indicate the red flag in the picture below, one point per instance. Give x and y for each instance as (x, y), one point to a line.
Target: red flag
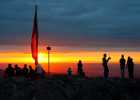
(34, 41)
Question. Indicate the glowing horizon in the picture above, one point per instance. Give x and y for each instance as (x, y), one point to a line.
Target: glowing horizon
(67, 57)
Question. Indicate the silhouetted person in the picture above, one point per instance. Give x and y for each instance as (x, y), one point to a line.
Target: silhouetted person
(9, 71)
(25, 70)
(18, 70)
(130, 66)
(31, 73)
(39, 71)
(80, 69)
(69, 73)
(105, 65)
(122, 66)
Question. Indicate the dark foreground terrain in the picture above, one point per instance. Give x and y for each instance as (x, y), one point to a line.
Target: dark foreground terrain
(59, 88)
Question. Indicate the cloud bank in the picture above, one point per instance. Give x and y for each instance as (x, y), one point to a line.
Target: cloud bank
(72, 22)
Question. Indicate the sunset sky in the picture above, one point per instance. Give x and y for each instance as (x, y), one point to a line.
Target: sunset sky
(76, 29)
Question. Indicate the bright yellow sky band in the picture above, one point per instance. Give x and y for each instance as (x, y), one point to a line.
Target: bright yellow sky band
(69, 57)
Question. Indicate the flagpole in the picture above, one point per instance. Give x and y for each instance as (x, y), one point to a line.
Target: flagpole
(49, 49)
(36, 60)
(34, 2)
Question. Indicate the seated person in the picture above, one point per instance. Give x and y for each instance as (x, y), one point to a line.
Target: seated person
(9, 71)
(39, 71)
(69, 73)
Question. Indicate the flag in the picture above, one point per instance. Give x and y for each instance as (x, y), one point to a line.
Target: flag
(34, 39)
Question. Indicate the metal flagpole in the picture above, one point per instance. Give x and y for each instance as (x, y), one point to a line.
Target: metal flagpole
(49, 49)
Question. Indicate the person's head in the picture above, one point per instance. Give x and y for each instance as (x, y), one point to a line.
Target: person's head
(16, 66)
(129, 58)
(122, 56)
(9, 65)
(69, 68)
(105, 55)
(30, 66)
(80, 61)
(25, 65)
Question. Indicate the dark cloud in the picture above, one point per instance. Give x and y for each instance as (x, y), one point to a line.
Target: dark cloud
(72, 22)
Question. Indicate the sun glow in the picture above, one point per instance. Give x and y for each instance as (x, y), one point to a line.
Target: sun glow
(42, 58)
(63, 57)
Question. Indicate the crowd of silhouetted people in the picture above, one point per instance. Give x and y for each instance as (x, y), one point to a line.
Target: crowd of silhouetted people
(29, 72)
(26, 71)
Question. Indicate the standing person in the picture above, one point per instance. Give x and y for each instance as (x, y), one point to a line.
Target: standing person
(80, 69)
(122, 66)
(105, 65)
(130, 66)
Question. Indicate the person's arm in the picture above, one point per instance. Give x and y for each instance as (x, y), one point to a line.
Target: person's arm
(108, 59)
(120, 61)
